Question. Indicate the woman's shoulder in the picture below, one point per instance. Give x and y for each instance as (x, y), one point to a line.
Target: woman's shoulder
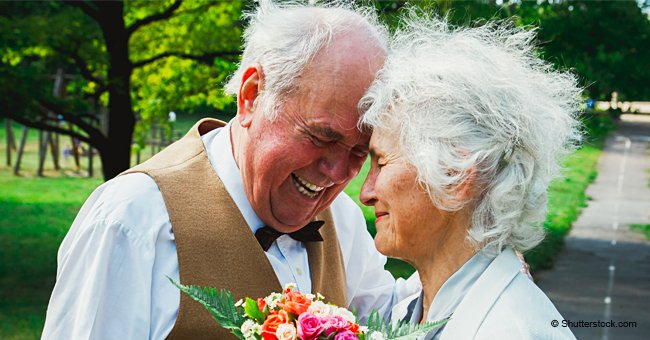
(523, 311)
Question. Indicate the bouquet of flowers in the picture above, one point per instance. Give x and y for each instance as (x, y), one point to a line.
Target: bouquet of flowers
(293, 315)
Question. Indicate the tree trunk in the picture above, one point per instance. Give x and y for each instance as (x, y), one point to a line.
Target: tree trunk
(116, 153)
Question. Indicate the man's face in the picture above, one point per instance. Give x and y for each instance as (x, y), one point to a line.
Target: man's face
(295, 166)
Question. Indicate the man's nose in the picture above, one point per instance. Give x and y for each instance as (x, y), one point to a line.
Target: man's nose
(336, 166)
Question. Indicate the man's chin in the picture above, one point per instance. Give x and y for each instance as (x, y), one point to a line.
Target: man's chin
(290, 223)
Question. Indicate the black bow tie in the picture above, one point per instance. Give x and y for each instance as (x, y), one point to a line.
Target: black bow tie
(309, 233)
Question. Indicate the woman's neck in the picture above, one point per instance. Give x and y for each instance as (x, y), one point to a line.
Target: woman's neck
(446, 255)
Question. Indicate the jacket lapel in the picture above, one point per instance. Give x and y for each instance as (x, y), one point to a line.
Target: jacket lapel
(471, 312)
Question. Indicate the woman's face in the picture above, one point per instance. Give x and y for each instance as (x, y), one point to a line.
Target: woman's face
(407, 221)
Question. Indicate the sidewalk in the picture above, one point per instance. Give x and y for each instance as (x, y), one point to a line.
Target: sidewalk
(603, 273)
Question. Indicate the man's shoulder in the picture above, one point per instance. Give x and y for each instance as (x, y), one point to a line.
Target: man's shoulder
(132, 200)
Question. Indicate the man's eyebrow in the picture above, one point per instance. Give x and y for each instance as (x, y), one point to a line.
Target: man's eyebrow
(326, 132)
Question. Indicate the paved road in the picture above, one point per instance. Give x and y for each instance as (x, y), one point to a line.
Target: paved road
(603, 273)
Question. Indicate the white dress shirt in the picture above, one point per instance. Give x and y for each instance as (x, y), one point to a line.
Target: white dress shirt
(112, 264)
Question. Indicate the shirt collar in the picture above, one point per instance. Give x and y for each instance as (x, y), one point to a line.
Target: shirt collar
(219, 149)
(452, 291)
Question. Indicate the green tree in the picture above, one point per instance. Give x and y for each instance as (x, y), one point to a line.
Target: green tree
(136, 58)
(604, 42)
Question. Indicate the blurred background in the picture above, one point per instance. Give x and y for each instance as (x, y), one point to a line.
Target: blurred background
(89, 89)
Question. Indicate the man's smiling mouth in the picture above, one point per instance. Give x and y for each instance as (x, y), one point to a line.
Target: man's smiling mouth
(304, 187)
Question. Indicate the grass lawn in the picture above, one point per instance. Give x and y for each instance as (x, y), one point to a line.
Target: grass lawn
(642, 228)
(36, 212)
(35, 216)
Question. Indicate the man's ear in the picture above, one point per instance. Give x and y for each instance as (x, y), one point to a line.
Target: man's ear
(251, 85)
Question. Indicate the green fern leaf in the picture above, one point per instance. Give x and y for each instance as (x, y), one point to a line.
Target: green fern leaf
(402, 330)
(220, 304)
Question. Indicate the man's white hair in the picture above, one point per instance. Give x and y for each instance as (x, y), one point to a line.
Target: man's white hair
(478, 104)
(284, 37)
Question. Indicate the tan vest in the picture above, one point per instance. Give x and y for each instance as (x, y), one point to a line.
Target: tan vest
(215, 246)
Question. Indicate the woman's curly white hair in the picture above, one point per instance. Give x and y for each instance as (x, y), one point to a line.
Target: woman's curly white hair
(478, 102)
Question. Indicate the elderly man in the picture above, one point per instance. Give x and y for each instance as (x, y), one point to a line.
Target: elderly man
(226, 205)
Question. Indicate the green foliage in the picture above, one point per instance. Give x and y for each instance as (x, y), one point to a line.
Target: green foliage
(180, 84)
(219, 303)
(164, 56)
(401, 330)
(251, 309)
(602, 41)
(642, 228)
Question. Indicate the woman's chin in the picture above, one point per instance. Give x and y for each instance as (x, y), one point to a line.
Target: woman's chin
(385, 248)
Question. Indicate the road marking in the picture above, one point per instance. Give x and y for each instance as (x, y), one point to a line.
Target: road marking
(611, 270)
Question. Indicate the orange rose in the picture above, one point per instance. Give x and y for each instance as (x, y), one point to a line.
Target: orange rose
(353, 327)
(271, 324)
(295, 303)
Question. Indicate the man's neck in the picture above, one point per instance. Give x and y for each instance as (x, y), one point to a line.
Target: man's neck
(235, 139)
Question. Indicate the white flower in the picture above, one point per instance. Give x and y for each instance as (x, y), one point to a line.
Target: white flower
(320, 296)
(290, 286)
(239, 302)
(250, 327)
(272, 300)
(376, 336)
(345, 314)
(310, 296)
(286, 331)
(319, 308)
(363, 329)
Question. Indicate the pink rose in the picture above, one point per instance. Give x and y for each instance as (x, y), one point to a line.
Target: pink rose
(309, 326)
(333, 323)
(347, 335)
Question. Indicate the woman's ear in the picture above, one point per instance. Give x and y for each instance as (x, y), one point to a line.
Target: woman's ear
(466, 191)
(251, 86)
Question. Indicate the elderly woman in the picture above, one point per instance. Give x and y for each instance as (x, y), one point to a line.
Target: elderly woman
(468, 127)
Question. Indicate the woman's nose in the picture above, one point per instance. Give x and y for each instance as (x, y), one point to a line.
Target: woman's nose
(367, 195)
